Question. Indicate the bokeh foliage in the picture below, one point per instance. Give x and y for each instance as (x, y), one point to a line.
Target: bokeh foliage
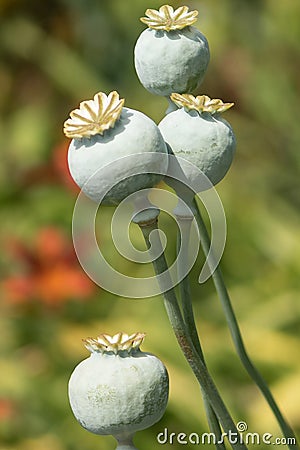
(54, 54)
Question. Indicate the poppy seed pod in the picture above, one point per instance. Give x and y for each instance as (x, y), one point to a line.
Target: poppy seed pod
(171, 55)
(197, 133)
(104, 135)
(119, 389)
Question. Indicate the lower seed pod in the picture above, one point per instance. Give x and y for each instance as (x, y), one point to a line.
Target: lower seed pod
(197, 133)
(104, 153)
(119, 389)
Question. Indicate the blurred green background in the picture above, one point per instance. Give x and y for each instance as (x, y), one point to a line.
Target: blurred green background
(53, 55)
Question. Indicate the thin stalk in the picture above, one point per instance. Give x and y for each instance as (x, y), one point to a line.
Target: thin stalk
(125, 444)
(189, 351)
(237, 337)
(189, 319)
(184, 285)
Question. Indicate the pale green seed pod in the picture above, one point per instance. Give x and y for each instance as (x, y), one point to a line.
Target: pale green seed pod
(197, 133)
(105, 133)
(119, 389)
(171, 55)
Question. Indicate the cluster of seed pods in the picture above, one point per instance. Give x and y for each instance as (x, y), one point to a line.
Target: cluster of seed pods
(119, 389)
(171, 58)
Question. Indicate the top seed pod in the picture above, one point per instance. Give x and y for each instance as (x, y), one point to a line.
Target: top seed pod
(115, 151)
(171, 55)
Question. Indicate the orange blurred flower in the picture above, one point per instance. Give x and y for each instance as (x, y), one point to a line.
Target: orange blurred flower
(50, 271)
(7, 409)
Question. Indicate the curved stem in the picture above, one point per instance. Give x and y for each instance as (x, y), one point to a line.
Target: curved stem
(237, 337)
(179, 328)
(189, 319)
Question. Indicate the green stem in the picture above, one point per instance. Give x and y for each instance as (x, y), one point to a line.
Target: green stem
(125, 444)
(183, 237)
(236, 334)
(184, 285)
(195, 362)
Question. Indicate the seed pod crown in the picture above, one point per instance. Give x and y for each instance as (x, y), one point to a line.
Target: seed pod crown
(201, 103)
(167, 19)
(94, 116)
(118, 342)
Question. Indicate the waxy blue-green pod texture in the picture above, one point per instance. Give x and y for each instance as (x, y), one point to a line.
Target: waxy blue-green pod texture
(104, 132)
(171, 55)
(119, 389)
(197, 133)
